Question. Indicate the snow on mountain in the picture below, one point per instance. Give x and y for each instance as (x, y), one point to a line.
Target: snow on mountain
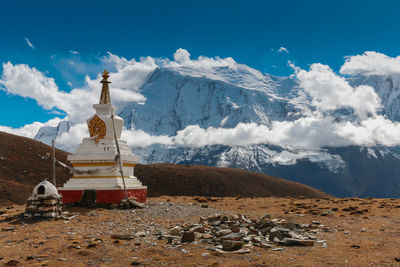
(47, 134)
(224, 96)
(388, 89)
(175, 101)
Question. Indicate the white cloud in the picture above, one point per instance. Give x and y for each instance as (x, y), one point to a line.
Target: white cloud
(130, 74)
(22, 80)
(30, 130)
(283, 49)
(307, 133)
(202, 64)
(29, 82)
(141, 138)
(70, 140)
(182, 56)
(318, 128)
(371, 63)
(331, 92)
(29, 43)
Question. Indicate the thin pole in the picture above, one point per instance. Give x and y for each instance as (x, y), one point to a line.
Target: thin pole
(119, 155)
(54, 163)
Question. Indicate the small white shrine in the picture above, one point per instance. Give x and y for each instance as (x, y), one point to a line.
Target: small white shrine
(97, 175)
(45, 202)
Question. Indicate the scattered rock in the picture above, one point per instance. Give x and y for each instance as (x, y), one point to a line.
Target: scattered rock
(265, 245)
(29, 258)
(266, 216)
(140, 234)
(13, 263)
(233, 236)
(123, 236)
(83, 253)
(198, 229)
(92, 245)
(296, 242)
(235, 228)
(187, 237)
(175, 231)
(231, 244)
(223, 232)
(241, 251)
(279, 233)
(130, 203)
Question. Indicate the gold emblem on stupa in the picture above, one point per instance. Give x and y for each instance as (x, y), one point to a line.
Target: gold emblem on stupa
(97, 128)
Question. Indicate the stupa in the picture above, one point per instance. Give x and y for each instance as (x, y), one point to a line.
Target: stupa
(97, 174)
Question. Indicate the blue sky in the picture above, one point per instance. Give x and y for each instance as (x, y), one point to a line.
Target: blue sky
(251, 32)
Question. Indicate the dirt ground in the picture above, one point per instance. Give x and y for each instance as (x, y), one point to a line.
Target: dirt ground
(356, 232)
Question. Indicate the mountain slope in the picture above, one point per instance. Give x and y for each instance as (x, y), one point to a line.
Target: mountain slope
(175, 102)
(178, 97)
(25, 162)
(197, 180)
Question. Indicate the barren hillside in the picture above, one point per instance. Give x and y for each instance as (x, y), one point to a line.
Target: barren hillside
(25, 162)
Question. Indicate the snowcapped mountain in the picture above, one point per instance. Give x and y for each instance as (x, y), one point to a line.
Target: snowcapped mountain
(47, 134)
(177, 97)
(175, 101)
(388, 89)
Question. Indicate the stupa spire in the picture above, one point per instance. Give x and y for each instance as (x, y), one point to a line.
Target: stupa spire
(105, 91)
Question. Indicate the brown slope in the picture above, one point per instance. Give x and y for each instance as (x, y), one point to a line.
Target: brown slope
(25, 162)
(197, 180)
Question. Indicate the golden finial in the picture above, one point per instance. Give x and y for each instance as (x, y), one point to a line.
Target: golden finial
(105, 91)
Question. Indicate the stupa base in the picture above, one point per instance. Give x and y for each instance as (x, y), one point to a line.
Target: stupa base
(101, 196)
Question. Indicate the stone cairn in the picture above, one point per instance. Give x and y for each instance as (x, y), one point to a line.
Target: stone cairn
(238, 232)
(44, 203)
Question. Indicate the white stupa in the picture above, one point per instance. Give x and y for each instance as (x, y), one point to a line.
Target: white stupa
(97, 177)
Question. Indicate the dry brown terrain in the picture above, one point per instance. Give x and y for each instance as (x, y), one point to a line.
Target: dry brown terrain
(349, 232)
(196, 180)
(358, 232)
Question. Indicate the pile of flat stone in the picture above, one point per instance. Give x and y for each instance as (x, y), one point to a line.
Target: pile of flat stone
(44, 203)
(47, 207)
(234, 232)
